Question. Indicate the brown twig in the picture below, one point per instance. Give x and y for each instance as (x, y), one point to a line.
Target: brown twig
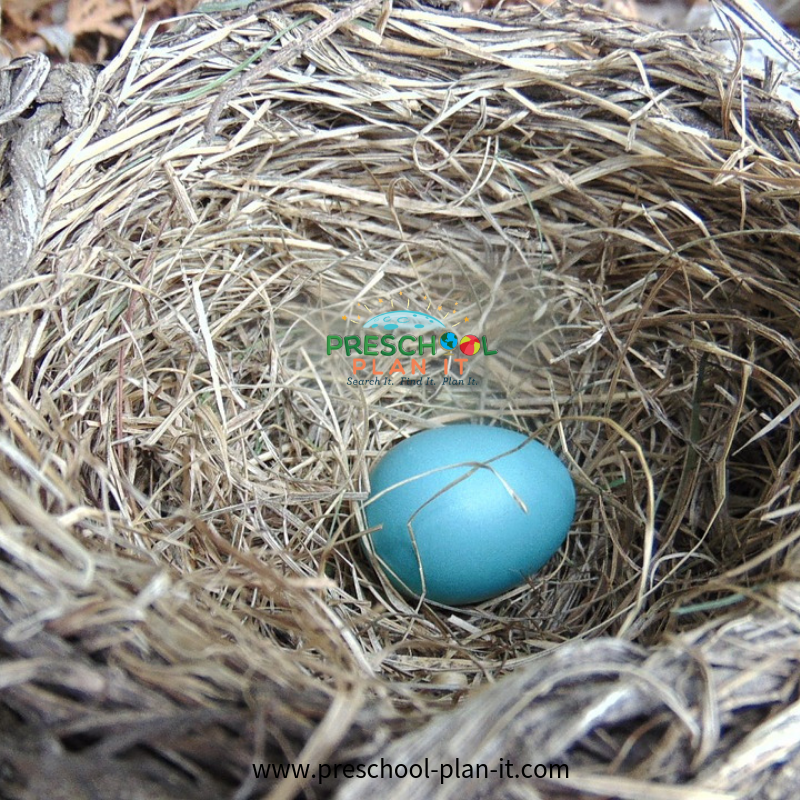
(285, 55)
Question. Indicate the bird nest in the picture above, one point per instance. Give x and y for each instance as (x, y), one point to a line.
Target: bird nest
(186, 605)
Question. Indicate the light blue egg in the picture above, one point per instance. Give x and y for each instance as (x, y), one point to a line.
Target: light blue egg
(470, 538)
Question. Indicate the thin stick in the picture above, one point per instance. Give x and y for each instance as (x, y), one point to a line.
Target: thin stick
(285, 55)
(755, 16)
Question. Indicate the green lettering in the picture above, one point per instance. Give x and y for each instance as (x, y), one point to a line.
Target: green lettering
(388, 348)
(370, 345)
(352, 344)
(400, 346)
(334, 343)
(422, 345)
(486, 350)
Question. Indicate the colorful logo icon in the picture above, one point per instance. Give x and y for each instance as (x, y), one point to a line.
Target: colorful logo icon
(404, 342)
(470, 345)
(404, 321)
(449, 340)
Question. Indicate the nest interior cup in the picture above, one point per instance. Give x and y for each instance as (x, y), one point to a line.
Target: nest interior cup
(183, 589)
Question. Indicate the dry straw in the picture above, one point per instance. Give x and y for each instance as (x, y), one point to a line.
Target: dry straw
(183, 590)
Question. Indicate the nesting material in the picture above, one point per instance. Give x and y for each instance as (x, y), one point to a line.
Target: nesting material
(183, 465)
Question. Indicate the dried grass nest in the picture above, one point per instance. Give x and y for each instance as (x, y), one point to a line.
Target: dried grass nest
(183, 590)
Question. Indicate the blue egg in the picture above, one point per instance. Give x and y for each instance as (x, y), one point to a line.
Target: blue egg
(466, 512)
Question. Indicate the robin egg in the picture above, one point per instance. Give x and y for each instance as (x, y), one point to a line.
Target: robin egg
(465, 512)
